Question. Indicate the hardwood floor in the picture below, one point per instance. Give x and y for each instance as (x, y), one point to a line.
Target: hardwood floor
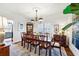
(17, 50)
(68, 51)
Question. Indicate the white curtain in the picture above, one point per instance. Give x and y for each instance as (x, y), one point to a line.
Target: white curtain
(45, 28)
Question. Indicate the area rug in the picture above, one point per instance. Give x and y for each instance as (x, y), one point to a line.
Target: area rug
(18, 50)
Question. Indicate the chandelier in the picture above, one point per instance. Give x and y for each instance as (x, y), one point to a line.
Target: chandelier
(36, 16)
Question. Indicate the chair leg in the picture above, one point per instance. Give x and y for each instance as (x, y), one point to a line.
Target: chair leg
(24, 44)
(30, 47)
(60, 51)
(39, 51)
(27, 45)
(46, 52)
(50, 52)
(35, 49)
(21, 43)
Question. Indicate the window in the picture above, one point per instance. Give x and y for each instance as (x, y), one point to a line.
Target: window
(75, 34)
(45, 28)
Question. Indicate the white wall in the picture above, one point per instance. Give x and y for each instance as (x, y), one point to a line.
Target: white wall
(16, 31)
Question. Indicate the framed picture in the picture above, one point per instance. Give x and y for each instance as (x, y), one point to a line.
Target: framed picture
(20, 26)
(56, 28)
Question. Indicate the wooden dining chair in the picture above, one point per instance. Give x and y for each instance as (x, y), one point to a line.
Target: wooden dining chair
(56, 42)
(63, 41)
(26, 39)
(23, 34)
(34, 42)
(43, 43)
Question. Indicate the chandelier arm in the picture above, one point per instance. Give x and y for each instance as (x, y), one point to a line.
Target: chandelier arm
(36, 15)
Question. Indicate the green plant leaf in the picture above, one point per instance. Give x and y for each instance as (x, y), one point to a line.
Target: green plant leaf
(73, 8)
(68, 26)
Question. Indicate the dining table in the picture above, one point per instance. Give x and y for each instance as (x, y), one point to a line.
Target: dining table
(36, 38)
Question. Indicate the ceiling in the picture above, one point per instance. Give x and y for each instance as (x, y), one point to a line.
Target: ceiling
(26, 10)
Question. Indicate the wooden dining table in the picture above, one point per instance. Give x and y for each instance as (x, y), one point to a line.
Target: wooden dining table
(35, 38)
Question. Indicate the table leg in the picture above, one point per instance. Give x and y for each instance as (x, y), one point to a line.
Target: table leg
(22, 42)
(50, 52)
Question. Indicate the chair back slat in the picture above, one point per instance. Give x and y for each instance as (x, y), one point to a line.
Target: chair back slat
(56, 38)
(43, 40)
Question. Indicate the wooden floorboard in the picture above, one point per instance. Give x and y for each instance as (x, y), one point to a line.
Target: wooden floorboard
(68, 51)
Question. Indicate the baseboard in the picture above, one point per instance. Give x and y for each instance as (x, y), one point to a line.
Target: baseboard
(16, 42)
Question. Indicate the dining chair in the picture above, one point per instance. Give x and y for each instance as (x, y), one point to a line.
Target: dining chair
(26, 39)
(43, 43)
(34, 42)
(22, 39)
(64, 41)
(56, 42)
